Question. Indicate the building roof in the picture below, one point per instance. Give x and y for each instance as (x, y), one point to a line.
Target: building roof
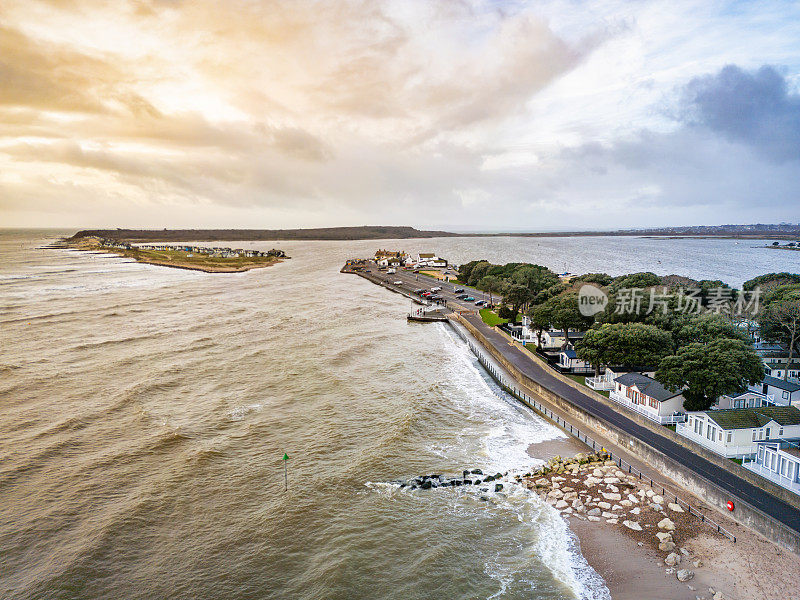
(570, 353)
(647, 386)
(781, 384)
(748, 418)
(427, 255)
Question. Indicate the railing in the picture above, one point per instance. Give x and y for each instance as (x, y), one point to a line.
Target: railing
(537, 406)
(781, 480)
(662, 420)
(599, 383)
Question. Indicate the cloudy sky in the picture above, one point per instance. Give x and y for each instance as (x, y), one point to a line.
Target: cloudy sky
(460, 115)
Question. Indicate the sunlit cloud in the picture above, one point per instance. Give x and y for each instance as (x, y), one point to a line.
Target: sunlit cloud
(454, 115)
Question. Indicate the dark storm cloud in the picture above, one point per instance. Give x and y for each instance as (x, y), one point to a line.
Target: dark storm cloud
(754, 108)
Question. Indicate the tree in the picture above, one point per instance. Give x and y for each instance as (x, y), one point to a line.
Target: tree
(534, 277)
(780, 319)
(540, 320)
(635, 345)
(565, 314)
(516, 296)
(707, 328)
(706, 371)
(491, 284)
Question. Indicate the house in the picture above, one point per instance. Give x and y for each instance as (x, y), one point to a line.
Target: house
(733, 433)
(778, 461)
(648, 397)
(748, 399)
(784, 393)
(429, 259)
(779, 367)
(552, 339)
(568, 361)
(390, 262)
(605, 381)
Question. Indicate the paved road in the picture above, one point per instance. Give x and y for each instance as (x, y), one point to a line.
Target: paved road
(767, 503)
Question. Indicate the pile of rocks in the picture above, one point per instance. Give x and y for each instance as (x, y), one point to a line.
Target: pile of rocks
(591, 487)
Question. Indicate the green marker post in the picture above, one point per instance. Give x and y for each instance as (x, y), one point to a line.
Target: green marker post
(285, 476)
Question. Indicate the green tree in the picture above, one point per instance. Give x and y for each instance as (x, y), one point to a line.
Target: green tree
(515, 296)
(491, 284)
(780, 319)
(540, 320)
(635, 345)
(706, 371)
(706, 328)
(564, 313)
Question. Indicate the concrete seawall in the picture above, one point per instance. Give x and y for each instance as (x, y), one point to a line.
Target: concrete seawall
(685, 477)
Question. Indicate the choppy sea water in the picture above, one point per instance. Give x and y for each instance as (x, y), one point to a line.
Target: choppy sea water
(145, 412)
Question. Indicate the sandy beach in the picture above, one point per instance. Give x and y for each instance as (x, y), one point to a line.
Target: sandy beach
(632, 562)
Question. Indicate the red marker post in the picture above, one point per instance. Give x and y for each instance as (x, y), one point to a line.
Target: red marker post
(730, 505)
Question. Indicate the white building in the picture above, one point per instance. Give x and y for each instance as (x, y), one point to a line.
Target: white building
(734, 433)
(568, 360)
(784, 393)
(748, 399)
(778, 368)
(779, 462)
(606, 380)
(648, 397)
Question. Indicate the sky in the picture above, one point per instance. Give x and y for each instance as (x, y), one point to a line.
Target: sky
(456, 115)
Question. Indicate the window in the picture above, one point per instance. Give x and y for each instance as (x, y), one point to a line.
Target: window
(767, 432)
(785, 395)
(754, 435)
(654, 403)
(780, 432)
(730, 437)
(783, 466)
(760, 453)
(719, 436)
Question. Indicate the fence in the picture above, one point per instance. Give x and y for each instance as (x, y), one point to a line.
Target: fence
(498, 376)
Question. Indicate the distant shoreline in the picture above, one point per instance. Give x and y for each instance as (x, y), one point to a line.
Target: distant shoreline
(397, 232)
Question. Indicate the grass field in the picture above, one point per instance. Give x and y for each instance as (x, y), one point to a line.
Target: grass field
(490, 317)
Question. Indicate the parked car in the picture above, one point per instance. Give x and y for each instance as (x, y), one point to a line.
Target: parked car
(480, 303)
(458, 291)
(398, 282)
(426, 294)
(436, 289)
(420, 291)
(368, 271)
(469, 299)
(462, 296)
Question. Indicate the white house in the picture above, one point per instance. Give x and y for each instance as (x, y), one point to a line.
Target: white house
(648, 397)
(748, 399)
(778, 368)
(779, 462)
(606, 380)
(429, 259)
(784, 393)
(568, 360)
(552, 339)
(733, 433)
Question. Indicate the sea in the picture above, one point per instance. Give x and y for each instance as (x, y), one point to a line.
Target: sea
(146, 413)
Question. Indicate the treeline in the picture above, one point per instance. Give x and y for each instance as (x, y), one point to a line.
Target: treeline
(693, 334)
